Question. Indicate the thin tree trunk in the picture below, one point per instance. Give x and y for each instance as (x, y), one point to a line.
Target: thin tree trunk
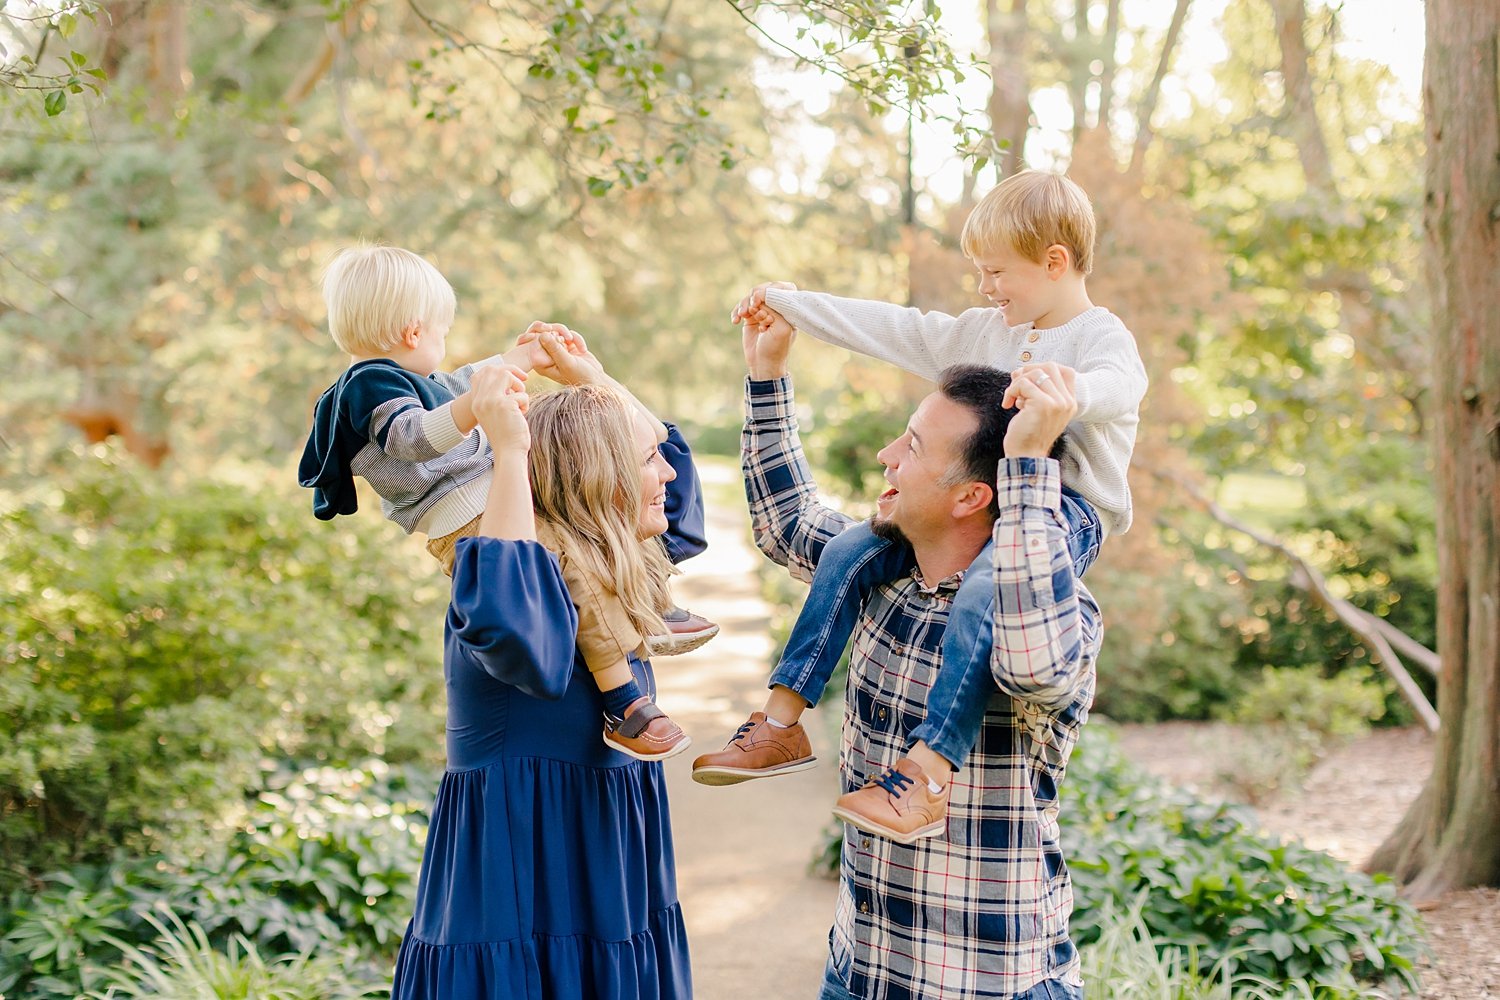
(1144, 135)
(1451, 836)
(1079, 74)
(1301, 106)
(1110, 42)
(166, 29)
(1010, 93)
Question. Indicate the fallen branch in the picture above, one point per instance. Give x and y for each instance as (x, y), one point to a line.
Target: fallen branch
(1305, 577)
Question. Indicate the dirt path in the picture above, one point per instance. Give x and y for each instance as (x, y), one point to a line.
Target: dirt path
(757, 922)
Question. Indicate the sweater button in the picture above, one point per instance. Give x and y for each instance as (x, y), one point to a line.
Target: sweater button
(864, 907)
(1025, 355)
(1033, 337)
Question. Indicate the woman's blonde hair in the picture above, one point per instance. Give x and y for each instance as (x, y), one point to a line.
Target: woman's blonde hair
(1029, 212)
(586, 484)
(375, 292)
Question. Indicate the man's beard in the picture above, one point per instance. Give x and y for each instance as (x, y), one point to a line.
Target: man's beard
(882, 528)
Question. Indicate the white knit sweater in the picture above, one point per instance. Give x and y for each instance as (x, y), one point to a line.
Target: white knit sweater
(1111, 378)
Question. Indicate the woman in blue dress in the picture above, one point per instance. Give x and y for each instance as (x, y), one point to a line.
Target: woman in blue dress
(548, 872)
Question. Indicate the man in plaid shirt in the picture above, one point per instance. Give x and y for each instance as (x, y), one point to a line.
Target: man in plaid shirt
(984, 912)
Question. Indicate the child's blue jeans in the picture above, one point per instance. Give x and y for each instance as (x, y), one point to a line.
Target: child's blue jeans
(854, 564)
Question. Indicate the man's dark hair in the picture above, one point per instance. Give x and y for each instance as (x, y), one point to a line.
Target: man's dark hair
(980, 389)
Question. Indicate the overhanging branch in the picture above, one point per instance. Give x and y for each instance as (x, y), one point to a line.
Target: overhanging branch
(1373, 632)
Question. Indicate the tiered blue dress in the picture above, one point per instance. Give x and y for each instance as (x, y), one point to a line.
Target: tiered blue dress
(548, 872)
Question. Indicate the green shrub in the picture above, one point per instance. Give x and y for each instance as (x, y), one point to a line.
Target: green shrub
(1126, 963)
(1297, 714)
(158, 641)
(183, 965)
(326, 862)
(1211, 883)
(1171, 644)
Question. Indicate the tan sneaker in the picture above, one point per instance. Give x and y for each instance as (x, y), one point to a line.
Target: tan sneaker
(685, 633)
(897, 805)
(646, 733)
(756, 750)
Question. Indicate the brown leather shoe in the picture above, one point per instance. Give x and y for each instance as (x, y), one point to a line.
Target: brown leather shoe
(898, 805)
(685, 633)
(646, 733)
(756, 750)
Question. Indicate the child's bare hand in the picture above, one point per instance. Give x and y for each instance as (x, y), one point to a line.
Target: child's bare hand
(500, 402)
(568, 361)
(756, 299)
(537, 358)
(765, 320)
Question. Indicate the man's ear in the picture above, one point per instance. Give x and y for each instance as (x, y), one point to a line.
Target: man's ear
(411, 333)
(972, 499)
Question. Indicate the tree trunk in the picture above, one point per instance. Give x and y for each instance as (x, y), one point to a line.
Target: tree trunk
(1107, 48)
(1079, 72)
(1144, 134)
(1010, 93)
(1451, 836)
(1301, 107)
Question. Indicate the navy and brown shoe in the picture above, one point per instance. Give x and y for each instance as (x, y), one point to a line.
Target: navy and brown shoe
(646, 733)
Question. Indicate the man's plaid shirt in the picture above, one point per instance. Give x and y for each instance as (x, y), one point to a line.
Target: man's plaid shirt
(984, 911)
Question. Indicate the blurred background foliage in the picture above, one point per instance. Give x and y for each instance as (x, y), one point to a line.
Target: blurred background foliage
(199, 681)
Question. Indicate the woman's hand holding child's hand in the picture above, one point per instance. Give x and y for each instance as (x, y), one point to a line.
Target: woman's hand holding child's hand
(567, 358)
(500, 401)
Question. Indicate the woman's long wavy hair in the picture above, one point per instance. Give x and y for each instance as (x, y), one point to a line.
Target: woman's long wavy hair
(586, 484)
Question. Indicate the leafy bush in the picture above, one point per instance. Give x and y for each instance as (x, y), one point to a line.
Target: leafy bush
(1213, 885)
(182, 965)
(158, 641)
(1298, 714)
(326, 862)
(1171, 644)
(1126, 963)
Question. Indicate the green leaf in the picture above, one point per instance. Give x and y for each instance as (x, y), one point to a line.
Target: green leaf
(598, 186)
(66, 25)
(55, 102)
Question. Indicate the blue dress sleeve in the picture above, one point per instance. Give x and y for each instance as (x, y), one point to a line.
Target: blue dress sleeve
(684, 506)
(512, 615)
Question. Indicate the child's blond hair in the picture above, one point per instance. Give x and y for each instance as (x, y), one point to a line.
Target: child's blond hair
(586, 483)
(1029, 212)
(375, 292)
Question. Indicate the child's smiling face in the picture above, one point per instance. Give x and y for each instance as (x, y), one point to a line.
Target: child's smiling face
(1024, 290)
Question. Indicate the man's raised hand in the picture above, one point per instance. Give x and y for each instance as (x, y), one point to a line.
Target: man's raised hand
(1043, 395)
